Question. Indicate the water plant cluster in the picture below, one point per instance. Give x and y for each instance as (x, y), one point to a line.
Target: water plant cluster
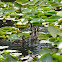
(39, 21)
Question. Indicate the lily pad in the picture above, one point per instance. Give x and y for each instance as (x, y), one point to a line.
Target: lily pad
(25, 34)
(54, 31)
(59, 13)
(45, 50)
(9, 58)
(46, 58)
(13, 37)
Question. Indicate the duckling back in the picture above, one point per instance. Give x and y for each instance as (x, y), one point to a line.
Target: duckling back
(20, 41)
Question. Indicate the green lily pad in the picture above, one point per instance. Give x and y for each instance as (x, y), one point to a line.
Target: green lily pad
(37, 21)
(51, 20)
(53, 31)
(2, 58)
(7, 29)
(9, 58)
(13, 37)
(42, 37)
(14, 15)
(56, 58)
(54, 17)
(45, 50)
(46, 58)
(59, 13)
(25, 34)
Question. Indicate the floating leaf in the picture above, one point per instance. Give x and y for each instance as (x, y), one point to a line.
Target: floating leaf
(25, 34)
(51, 20)
(53, 31)
(13, 37)
(36, 21)
(45, 50)
(42, 37)
(59, 13)
(46, 58)
(2, 58)
(57, 58)
(54, 17)
(27, 10)
(9, 58)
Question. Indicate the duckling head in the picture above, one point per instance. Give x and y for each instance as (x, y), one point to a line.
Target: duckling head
(23, 37)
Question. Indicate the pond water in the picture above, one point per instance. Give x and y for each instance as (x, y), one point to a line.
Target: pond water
(7, 23)
(35, 46)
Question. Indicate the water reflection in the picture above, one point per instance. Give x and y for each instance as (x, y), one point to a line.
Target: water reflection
(33, 46)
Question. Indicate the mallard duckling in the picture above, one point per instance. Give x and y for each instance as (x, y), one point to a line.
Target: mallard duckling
(31, 26)
(33, 35)
(36, 30)
(20, 41)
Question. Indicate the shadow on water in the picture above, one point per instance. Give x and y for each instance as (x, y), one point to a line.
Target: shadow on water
(33, 46)
(7, 23)
(8, 0)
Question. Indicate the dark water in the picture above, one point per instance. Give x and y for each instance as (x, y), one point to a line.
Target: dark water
(8, 0)
(7, 23)
(35, 47)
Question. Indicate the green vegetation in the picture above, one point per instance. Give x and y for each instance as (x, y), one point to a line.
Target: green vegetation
(45, 17)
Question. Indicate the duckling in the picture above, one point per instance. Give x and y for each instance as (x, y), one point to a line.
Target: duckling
(20, 41)
(33, 35)
(37, 30)
(31, 26)
(32, 30)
